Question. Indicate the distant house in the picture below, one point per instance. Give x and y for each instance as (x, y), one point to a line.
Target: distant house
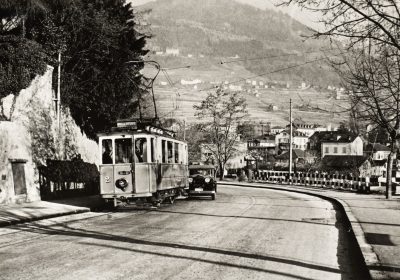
(341, 145)
(263, 147)
(379, 155)
(307, 129)
(262, 143)
(235, 88)
(299, 140)
(172, 51)
(377, 151)
(191, 82)
(235, 162)
(335, 143)
(277, 129)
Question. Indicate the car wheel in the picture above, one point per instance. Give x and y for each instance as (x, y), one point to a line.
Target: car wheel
(213, 196)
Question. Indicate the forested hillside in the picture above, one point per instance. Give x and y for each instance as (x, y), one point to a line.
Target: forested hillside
(264, 40)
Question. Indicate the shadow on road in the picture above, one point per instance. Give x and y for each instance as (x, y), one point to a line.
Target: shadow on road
(67, 230)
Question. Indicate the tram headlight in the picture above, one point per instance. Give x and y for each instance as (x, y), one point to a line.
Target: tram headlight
(190, 180)
(207, 180)
(121, 184)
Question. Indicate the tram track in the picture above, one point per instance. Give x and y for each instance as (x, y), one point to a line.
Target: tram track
(190, 239)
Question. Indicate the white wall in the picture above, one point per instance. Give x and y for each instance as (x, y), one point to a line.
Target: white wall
(15, 144)
(33, 110)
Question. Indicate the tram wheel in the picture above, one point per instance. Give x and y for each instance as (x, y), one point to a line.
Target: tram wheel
(109, 205)
(156, 203)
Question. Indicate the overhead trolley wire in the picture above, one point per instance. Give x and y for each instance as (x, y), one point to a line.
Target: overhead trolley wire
(274, 56)
(270, 72)
(250, 59)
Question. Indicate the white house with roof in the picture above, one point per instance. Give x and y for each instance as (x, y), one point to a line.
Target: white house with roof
(299, 139)
(172, 51)
(379, 154)
(342, 145)
(277, 129)
(309, 129)
(237, 160)
(378, 151)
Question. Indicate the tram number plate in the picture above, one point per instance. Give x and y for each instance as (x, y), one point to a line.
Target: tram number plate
(124, 172)
(198, 189)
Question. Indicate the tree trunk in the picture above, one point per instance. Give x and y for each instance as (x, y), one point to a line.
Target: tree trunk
(23, 26)
(221, 171)
(389, 172)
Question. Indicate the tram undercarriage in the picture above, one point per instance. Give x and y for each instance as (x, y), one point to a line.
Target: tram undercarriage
(155, 199)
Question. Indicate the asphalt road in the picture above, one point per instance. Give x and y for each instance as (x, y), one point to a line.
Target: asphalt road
(244, 234)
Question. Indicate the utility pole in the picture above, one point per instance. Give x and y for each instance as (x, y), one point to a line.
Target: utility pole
(58, 93)
(290, 139)
(61, 151)
(184, 130)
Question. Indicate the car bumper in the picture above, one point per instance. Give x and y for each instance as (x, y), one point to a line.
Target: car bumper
(193, 192)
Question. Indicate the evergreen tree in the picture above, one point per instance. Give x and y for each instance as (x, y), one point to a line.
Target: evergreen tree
(96, 39)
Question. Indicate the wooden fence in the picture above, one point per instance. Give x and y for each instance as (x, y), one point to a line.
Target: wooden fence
(344, 182)
(62, 179)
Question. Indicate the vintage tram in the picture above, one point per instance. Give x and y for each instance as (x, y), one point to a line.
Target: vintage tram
(141, 162)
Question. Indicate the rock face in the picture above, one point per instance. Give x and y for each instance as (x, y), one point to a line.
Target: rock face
(30, 136)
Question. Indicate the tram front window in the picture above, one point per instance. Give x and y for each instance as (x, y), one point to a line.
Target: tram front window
(141, 150)
(123, 150)
(107, 151)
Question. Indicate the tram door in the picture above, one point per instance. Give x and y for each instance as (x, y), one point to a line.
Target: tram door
(144, 164)
(123, 165)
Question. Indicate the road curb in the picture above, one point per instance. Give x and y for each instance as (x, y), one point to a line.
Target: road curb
(370, 258)
(48, 216)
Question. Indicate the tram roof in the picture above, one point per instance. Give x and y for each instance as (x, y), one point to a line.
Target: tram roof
(134, 126)
(133, 132)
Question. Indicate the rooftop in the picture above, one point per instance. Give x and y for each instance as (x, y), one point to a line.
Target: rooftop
(334, 137)
(375, 147)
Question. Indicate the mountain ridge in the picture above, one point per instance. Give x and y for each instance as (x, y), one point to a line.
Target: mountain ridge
(225, 28)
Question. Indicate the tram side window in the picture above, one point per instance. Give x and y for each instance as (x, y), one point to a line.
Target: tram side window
(141, 150)
(176, 152)
(164, 153)
(123, 150)
(107, 151)
(185, 155)
(152, 150)
(169, 150)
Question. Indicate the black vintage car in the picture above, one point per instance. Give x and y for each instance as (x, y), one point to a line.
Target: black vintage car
(202, 181)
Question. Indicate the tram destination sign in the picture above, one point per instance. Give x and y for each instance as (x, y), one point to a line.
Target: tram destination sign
(127, 124)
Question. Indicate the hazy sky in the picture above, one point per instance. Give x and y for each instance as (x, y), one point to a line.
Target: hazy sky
(305, 17)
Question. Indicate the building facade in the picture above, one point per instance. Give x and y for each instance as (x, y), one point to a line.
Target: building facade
(342, 146)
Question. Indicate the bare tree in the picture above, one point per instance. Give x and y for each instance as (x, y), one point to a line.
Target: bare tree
(369, 31)
(357, 20)
(375, 84)
(220, 114)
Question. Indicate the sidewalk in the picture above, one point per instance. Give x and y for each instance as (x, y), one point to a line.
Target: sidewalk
(27, 212)
(374, 220)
